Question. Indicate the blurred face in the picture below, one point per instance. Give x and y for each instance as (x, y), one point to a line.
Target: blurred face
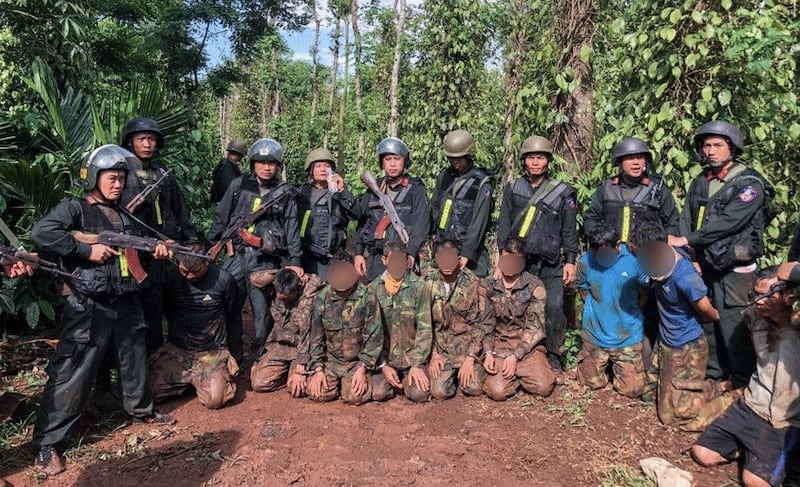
(396, 264)
(606, 256)
(319, 171)
(459, 164)
(511, 265)
(633, 165)
(657, 260)
(536, 164)
(447, 260)
(716, 151)
(144, 145)
(393, 165)
(195, 272)
(110, 183)
(234, 157)
(265, 170)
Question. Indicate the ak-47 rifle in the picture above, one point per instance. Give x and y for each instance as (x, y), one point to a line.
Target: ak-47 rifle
(140, 198)
(238, 226)
(10, 255)
(391, 216)
(132, 244)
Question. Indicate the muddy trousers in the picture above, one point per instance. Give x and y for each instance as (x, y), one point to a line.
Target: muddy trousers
(626, 363)
(339, 379)
(383, 391)
(211, 373)
(684, 398)
(533, 374)
(87, 330)
(730, 348)
(447, 384)
(270, 374)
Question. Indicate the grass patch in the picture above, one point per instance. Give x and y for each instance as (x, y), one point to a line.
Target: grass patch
(622, 476)
(572, 409)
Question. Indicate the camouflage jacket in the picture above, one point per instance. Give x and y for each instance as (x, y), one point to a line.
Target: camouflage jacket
(289, 337)
(462, 316)
(519, 314)
(345, 330)
(406, 322)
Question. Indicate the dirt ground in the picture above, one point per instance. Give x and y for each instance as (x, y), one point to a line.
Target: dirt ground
(573, 438)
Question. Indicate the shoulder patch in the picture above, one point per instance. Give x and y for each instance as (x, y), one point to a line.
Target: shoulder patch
(539, 293)
(748, 193)
(487, 191)
(571, 202)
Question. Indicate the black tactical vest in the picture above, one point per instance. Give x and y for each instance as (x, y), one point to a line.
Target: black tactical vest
(456, 205)
(744, 246)
(270, 225)
(111, 277)
(538, 220)
(403, 204)
(623, 214)
(323, 227)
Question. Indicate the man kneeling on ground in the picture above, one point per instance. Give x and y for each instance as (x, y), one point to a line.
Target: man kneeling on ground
(763, 427)
(198, 305)
(346, 336)
(676, 379)
(462, 316)
(285, 356)
(514, 351)
(405, 302)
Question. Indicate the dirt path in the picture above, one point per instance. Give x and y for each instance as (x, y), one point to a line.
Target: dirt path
(573, 438)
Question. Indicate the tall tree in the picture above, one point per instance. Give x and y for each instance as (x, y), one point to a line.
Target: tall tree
(572, 135)
(400, 21)
(334, 74)
(312, 142)
(357, 89)
(343, 97)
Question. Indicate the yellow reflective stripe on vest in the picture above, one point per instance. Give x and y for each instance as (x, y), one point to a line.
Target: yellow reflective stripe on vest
(158, 212)
(626, 223)
(527, 222)
(304, 225)
(256, 204)
(448, 207)
(701, 214)
(123, 263)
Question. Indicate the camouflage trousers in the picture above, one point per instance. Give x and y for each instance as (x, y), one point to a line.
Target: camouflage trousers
(627, 367)
(533, 374)
(684, 398)
(271, 372)
(173, 371)
(383, 391)
(339, 380)
(447, 384)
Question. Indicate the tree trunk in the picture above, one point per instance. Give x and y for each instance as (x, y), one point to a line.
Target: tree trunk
(314, 74)
(400, 19)
(276, 79)
(262, 119)
(357, 89)
(343, 98)
(334, 69)
(513, 83)
(573, 139)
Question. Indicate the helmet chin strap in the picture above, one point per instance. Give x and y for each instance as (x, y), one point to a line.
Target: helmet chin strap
(717, 165)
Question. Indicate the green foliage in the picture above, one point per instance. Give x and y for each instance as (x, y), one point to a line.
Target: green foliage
(572, 347)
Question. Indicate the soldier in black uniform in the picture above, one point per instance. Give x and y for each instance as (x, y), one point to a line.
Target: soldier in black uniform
(462, 203)
(227, 169)
(723, 221)
(542, 212)
(165, 212)
(102, 309)
(411, 202)
(275, 235)
(633, 196)
(327, 208)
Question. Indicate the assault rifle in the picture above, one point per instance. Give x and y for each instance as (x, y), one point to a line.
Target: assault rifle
(140, 198)
(391, 216)
(131, 244)
(10, 255)
(239, 226)
(778, 287)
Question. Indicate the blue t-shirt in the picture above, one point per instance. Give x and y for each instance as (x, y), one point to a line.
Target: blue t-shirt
(611, 315)
(680, 321)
